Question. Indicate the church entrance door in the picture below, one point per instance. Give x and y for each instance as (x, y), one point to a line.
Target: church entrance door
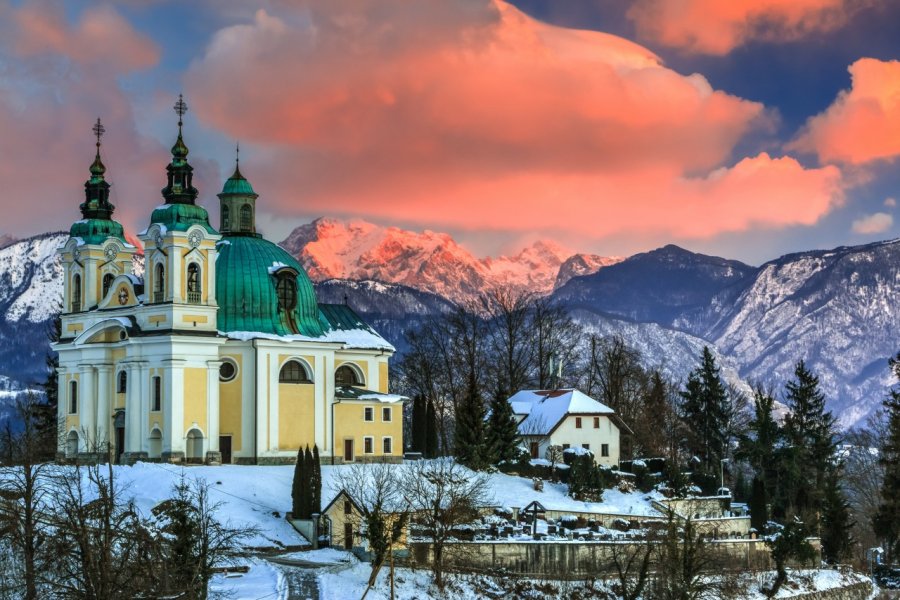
(225, 448)
(119, 426)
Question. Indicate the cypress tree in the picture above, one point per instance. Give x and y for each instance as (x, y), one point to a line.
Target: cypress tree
(44, 415)
(886, 522)
(431, 430)
(503, 431)
(471, 447)
(419, 424)
(298, 486)
(316, 481)
(308, 486)
(759, 446)
(759, 511)
(836, 523)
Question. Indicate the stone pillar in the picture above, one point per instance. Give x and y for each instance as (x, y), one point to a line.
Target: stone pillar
(104, 401)
(213, 456)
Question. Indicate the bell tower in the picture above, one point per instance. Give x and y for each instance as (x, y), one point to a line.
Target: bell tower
(237, 203)
(96, 252)
(180, 244)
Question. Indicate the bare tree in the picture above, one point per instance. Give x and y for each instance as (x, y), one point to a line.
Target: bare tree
(554, 335)
(23, 488)
(632, 566)
(684, 560)
(443, 495)
(508, 335)
(377, 491)
(863, 476)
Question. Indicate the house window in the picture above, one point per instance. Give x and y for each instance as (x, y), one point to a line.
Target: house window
(293, 372)
(122, 385)
(73, 397)
(286, 288)
(577, 422)
(586, 446)
(348, 508)
(386, 414)
(368, 445)
(596, 422)
(193, 283)
(604, 449)
(368, 413)
(386, 445)
(107, 283)
(76, 293)
(157, 394)
(347, 375)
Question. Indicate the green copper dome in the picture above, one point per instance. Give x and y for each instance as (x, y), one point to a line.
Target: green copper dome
(247, 271)
(238, 184)
(96, 231)
(180, 217)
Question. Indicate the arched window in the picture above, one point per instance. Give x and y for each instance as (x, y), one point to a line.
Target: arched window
(286, 287)
(159, 283)
(294, 372)
(226, 226)
(122, 384)
(347, 375)
(73, 397)
(193, 283)
(76, 293)
(194, 446)
(72, 444)
(107, 283)
(246, 218)
(155, 443)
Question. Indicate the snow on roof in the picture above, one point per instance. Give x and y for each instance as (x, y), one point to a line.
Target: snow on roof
(352, 338)
(544, 409)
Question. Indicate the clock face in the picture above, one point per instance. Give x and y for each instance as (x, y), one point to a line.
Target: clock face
(195, 238)
(158, 239)
(123, 296)
(111, 253)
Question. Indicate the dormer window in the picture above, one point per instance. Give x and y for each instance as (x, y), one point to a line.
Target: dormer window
(107, 283)
(286, 287)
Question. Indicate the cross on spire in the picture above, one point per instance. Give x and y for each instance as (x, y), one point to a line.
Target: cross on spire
(98, 130)
(237, 154)
(180, 107)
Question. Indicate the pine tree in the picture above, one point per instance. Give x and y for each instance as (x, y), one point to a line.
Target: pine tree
(45, 414)
(759, 511)
(471, 447)
(431, 434)
(299, 487)
(315, 484)
(886, 522)
(836, 522)
(760, 445)
(705, 409)
(809, 431)
(503, 431)
(309, 470)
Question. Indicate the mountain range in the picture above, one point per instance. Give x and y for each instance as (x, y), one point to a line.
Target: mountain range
(836, 309)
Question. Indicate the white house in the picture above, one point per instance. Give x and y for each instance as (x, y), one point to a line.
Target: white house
(569, 419)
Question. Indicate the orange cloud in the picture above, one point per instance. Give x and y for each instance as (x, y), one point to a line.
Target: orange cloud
(483, 118)
(863, 123)
(718, 26)
(101, 37)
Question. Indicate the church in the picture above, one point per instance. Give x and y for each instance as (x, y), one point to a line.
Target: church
(218, 351)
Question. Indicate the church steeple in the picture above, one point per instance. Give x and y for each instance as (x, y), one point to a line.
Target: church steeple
(96, 204)
(179, 189)
(237, 202)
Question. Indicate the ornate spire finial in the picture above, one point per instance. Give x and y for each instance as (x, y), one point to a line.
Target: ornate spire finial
(98, 130)
(180, 107)
(237, 154)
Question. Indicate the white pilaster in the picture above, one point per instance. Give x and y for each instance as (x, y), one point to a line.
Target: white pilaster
(175, 268)
(211, 277)
(144, 416)
(320, 403)
(262, 400)
(212, 404)
(87, 407)
(133, 409)
(173, 404)
(104, 401)
(327, 383)
(62, 408)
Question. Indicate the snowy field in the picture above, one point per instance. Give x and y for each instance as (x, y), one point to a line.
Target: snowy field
(261, 495)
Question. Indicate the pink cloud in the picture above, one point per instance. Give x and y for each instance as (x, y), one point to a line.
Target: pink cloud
(483, 118)
(863, 123)
(718, 26)
(871, 224)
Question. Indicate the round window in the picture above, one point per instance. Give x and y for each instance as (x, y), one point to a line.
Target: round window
(227, 371)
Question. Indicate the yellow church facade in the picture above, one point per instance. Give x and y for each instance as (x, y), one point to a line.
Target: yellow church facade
(219, 351)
